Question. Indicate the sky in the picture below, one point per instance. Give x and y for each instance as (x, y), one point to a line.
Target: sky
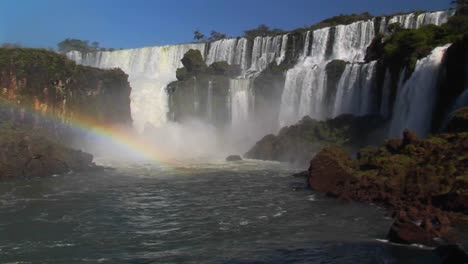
(139, 23)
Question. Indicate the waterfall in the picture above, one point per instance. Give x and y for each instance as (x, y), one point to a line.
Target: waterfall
(305, 86)
(415, 98)
(149, 70)
(355, 91)
(319, 45)
(241, 99)
(351, 41)
(209, 101)
(413, 21)
(265, 50)
(223, 50)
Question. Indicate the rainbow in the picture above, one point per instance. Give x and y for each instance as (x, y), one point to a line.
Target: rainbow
(124, 139)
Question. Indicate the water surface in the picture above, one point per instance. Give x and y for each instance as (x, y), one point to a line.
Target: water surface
(218, 212)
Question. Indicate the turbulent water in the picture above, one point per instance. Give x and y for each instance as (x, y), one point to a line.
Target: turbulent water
(247, 212)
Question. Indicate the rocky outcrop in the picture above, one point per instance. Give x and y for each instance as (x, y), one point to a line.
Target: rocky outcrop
(233, 158)
(197, 83)
(25, 154)
(423, 181)
(297, 143)
(48, 83)
(42, 93)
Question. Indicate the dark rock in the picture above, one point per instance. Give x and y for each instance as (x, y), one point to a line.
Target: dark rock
(297, 143)
(406, 232)
(375, 49)
(26, 155)
(302, 174)
(193, 61)
(330, 168)
(233, 158)
(409, 137)
(452, 202)
(459, 121)
(451, 254)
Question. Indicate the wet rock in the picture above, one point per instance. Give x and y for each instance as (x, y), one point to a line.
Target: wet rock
(451, 254)
(404, 231)
(302, 174)
(233, 158)
(298, 143)
(332, 167)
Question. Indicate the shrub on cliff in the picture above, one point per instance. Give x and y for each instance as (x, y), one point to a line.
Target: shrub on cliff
(298, 143)
(193, 61)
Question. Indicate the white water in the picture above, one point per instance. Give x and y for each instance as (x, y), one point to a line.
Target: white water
(306, 83)
(415, 98)
(150, 70)
(264, 51)
(241, 101)
(355, 90)
(412, 21)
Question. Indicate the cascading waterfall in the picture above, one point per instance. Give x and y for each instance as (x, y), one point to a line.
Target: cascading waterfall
(150, 70)
(235, 51)
(355, 90)
(209, 101)
(414, 21)
(306, 83)
(241, 98)
(306, 86)
(415, 98)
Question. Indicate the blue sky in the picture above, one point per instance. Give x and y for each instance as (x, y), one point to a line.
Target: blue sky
(138, 23)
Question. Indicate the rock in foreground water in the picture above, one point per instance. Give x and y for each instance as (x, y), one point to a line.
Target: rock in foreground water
(233, 158)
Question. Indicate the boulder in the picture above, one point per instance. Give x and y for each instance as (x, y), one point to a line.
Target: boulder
(233, 158)
(330, 168)
(193, 61)
(404, 231)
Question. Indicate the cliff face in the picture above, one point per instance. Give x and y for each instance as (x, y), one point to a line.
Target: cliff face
(41, 93)
(49, 83)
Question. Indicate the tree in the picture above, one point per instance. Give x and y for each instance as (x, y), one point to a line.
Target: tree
(95, 45)
(461, 6)
(73, 44)
(214, 36)
(262, 31)
(198, 36)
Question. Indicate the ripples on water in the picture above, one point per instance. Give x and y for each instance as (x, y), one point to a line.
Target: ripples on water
(243, 212)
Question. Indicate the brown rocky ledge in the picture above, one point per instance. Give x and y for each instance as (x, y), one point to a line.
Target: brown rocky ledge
(424, 183)
(25, 154)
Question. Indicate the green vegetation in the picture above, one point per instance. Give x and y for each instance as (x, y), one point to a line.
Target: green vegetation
(39, 74)
(262, 31)
(340, 20)
(214, 36)
(299, 142)
(83, 46)
(198, 36)
(405, 46)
